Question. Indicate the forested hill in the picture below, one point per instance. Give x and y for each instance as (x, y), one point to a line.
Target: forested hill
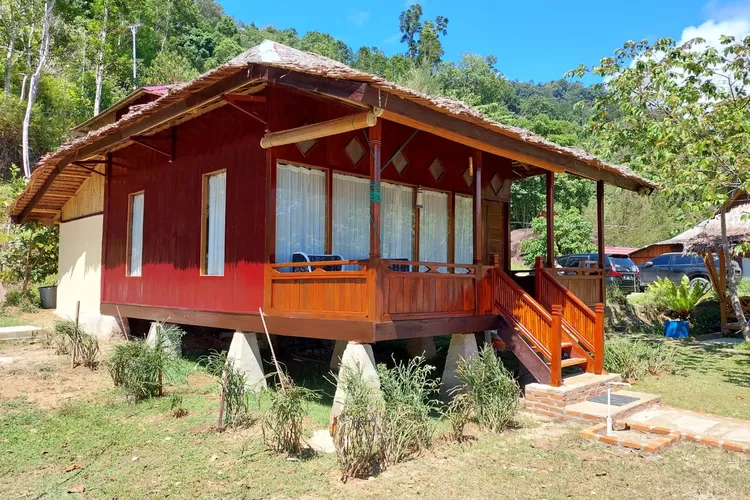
(90, 67)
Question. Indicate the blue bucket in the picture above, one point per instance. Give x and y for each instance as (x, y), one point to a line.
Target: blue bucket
(676, 329)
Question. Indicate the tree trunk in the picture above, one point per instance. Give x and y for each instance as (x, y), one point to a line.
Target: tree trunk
(34, 83)
(28, 63)
(100, 63)
(9, 63)
(734, 298)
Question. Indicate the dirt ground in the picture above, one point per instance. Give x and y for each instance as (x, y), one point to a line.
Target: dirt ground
(30, 370)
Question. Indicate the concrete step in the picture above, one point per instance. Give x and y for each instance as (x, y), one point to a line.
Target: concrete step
(19, 332)
(597, 412)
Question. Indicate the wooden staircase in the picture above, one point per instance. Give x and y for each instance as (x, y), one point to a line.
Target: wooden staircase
(553, 331)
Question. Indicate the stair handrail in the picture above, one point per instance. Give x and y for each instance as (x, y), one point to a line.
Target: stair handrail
(590, 335)
(531, 304)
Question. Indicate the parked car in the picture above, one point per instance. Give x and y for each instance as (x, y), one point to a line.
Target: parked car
(674, 266)
(620, 270)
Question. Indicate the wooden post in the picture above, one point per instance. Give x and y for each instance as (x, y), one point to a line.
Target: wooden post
(506, 237)
(74, 343)
(600, 235)
(375, 269)
(556, 347)
(550, 219)
(599, 341)
(538, 278)
(476, 159)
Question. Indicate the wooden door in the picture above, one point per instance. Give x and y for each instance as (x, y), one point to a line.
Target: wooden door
(494, 231)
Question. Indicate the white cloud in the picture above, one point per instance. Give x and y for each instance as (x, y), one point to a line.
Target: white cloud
(721, 19)
(359, 17)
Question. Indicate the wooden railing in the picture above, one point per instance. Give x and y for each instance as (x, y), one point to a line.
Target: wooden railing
(414, 290)
(585, 283)
(542, 329)
(321, 292)
(579, 321)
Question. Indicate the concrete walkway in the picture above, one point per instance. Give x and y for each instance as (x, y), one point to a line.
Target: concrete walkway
(720, 432)
(19, 332)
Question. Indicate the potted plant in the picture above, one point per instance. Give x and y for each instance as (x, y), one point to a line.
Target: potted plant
(678, 302)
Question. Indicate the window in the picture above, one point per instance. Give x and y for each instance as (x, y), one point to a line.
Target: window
(433, 227)
(135, 235)
(464, 227)
(662, 260)
(397, 228)
(684, 260)
(351, 216)
(214, 223)
(300, 211)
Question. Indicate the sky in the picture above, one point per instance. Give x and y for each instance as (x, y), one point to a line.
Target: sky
(535, 40)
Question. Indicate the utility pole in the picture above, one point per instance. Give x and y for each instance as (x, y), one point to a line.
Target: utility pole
(134, 29)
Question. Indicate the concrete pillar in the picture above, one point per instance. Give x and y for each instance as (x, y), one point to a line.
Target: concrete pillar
(338, 352)
(424, 346)
(244, 354)
(463, 345)
(151, 338)
(359, 359)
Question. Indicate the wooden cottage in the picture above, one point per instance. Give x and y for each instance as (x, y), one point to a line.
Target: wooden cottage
(342, 205)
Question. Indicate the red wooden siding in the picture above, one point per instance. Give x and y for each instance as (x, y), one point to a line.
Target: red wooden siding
(221, 139)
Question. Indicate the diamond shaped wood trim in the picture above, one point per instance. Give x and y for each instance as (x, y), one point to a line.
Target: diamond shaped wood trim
(468, 178)
(400, 162)
(496, 183)
(354, 150)
(306, 146)
(436, 169)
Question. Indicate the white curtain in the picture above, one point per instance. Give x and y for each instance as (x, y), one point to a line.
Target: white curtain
(217, 208)
(464, 250)
(300, 211)
(351, 217)
(433, 227)
(397, 228)
(136, 235)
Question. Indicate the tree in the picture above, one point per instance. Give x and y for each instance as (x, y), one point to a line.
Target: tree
(528, 197)
(422, 40)
(682, 113)
(572, 235)
(34, 84)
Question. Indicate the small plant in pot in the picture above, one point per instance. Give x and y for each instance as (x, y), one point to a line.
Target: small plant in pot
(678, 302)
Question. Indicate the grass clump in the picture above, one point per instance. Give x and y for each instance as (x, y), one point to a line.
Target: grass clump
(635, 359)
(458, 412)
(233, 386)
(137, 367)
(408, 395)
(492, 388)
(176, 408)
(67, 338)
(356, 430)
(282, 420)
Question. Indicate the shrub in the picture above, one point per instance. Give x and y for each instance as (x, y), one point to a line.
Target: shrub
(458, 412)
(634, 359)
(706, 318)
(134, 367)
(175, 406)
(408, 396)
(492, 388)
(233, 386)
(678, 300)
(355, 430)
(615, 295)
(282, 421)
(27, 301)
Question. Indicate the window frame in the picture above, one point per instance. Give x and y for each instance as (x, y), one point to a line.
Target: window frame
(129, 239)
(204, 222)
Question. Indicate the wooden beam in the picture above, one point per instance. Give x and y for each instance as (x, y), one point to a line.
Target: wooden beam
(375, 138)
(600, 234)
(476, 163)
(328, 128)
(244, 98)
(232, 100)
(417, 116)
(143, 142)
(550, 220)
(506, 236)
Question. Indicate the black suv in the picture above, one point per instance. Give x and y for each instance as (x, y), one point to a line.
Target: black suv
(621, 270)
(674, 266)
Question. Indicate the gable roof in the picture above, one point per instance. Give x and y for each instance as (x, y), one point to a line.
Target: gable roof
(275, 63)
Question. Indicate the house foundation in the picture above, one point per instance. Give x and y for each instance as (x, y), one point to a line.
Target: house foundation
(152, 334)
(463, 345)
(244, 354)
(357, 358)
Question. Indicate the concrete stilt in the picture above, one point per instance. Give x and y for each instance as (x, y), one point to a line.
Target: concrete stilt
(463, 345)
(359, 359)
(424, 346)
(338, 352)
(245, 356)
(151, 338)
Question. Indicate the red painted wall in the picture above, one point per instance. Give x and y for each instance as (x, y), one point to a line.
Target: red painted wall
(228, 139)
(221, 139)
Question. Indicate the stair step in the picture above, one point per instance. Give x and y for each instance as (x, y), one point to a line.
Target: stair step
(573, 362)
(563, 345)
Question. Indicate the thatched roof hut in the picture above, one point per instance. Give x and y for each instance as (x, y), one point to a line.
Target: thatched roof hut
(707, 235)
